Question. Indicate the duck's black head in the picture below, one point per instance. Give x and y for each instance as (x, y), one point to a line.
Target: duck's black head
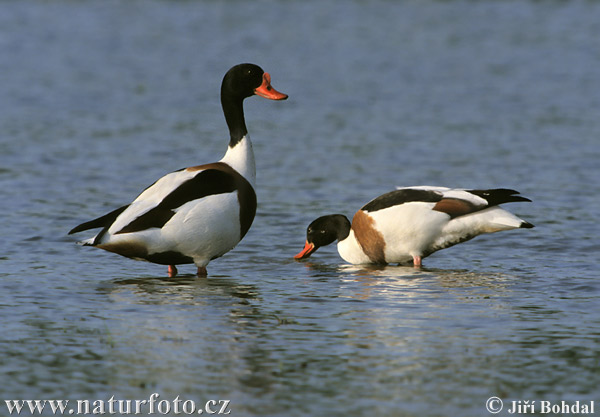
(324, 231)
(245, 80)
(241, 81)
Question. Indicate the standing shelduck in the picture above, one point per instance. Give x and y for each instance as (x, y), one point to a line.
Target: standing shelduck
(195, 214)
(411, 223)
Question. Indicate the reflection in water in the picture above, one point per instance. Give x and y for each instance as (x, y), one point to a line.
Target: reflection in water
(179, 290)
(402, 280)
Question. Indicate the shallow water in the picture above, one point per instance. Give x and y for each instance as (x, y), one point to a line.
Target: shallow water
(99, 99)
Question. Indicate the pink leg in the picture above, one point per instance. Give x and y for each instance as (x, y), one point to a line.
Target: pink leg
(172, 271)
(202, 272)
(417, 261)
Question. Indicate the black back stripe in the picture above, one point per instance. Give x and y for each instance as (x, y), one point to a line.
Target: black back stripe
(397, 197)
(493, 197)
(207, 182)
(216, 178)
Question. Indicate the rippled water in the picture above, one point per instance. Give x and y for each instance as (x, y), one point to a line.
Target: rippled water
(99, 99)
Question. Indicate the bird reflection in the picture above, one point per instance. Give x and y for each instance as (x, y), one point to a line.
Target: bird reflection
(187, 289)
(400, 281)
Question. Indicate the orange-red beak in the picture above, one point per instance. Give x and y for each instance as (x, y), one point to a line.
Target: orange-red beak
(309, 248)
(265, 90)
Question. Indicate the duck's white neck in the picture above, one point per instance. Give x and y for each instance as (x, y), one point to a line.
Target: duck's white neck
(241, 158)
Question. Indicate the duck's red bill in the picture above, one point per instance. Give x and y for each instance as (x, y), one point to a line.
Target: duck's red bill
(309, 248)
(265, 90)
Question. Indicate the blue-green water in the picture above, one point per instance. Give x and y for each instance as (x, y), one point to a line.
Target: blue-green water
(99, 99)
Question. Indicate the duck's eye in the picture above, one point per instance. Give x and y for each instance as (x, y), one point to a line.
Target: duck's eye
(322, 232)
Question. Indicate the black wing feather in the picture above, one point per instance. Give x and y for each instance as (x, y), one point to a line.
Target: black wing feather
(498, 196)
(103, 221)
